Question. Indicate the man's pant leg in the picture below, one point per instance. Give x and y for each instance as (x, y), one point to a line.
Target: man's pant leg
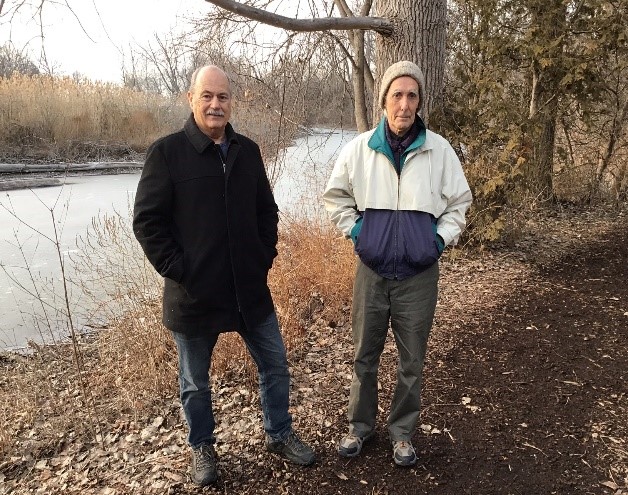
(370, 316)
(413, 302)
(194, 363)
(267, 349)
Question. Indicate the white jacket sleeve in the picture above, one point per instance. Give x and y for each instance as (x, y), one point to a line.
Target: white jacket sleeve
(339, 198)
(455, 191)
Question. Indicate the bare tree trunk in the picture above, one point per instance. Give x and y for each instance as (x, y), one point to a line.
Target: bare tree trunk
(360, 68)
(359, 84)
(542, 170)
(419, 35)
(549, 20)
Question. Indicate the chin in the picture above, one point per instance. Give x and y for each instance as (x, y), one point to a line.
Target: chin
(215, 123)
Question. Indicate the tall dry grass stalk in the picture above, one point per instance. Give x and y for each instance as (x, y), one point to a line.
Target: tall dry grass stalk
(59, 112)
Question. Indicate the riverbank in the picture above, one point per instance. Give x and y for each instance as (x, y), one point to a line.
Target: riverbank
(15, 176)
(524, 392)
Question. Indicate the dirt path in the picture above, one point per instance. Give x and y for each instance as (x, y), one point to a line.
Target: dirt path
(525, 392)
(525, 389)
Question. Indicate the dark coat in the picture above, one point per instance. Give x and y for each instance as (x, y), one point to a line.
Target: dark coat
(210, 231)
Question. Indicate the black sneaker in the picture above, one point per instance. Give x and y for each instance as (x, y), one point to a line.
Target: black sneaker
(204, 471)
(292, 449)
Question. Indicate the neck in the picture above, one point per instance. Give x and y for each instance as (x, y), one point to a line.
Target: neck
(216, 134)
(397, 133)
(217, 137)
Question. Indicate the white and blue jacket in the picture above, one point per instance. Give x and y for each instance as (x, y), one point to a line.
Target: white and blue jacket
(394, 218)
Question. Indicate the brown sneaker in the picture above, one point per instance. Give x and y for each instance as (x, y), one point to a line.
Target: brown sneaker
(204, 470)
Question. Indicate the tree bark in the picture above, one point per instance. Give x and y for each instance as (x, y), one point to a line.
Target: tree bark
(359, 86)
(419, 36)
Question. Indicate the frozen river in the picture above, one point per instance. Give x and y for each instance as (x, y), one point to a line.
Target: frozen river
(31, 288)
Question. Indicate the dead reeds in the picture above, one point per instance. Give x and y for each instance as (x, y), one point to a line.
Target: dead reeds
(53, 117)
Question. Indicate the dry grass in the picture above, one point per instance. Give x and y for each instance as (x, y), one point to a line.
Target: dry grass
(57, 113)
(132, 363)
(52, 118)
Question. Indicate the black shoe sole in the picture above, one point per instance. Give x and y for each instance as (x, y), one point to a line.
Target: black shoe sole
(298, 462)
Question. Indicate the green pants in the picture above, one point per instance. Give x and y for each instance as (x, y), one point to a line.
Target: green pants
(408, 305)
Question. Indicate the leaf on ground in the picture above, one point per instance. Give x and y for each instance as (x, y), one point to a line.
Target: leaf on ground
(610, 484)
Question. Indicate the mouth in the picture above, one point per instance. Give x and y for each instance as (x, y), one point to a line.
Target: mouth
(214, 114)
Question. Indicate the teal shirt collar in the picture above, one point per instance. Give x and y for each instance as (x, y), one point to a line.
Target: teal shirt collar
(379, 143)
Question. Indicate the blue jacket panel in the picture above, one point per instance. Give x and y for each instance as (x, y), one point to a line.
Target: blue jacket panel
(397, 244)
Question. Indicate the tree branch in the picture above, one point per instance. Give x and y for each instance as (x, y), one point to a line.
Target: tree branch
(378, 24)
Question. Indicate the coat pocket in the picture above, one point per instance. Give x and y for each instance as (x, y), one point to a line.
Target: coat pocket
(417, 239)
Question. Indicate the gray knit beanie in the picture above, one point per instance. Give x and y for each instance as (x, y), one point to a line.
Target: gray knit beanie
(399, 69)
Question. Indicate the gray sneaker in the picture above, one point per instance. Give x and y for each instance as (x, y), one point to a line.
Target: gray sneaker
(292, 449)
(351, 445)
(204, 471)
(403, 453)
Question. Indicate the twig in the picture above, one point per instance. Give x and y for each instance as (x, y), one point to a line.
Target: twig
(526, 444)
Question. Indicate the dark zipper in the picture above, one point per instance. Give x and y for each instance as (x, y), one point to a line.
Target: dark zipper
(396, 237)
(224, 170)
(396, 224)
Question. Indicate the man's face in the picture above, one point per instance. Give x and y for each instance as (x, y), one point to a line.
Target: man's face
(210, 101)
(402, 102)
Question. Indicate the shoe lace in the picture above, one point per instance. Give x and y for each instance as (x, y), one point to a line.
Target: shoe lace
(204, 457)
(295, 443)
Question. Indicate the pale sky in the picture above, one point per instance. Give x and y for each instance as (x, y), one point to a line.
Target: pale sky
(122, 22)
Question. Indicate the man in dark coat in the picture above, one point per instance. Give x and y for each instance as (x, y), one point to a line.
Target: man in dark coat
(207, 221)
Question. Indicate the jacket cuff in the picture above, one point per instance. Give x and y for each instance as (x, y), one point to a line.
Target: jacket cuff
(355, 230)
(440, 243)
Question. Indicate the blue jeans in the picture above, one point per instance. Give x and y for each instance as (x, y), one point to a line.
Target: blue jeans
(265, 344)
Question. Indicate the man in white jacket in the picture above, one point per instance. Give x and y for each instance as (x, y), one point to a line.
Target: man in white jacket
(399, 192)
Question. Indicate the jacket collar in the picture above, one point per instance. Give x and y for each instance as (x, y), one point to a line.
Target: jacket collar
(378, 141)
(201, 141)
